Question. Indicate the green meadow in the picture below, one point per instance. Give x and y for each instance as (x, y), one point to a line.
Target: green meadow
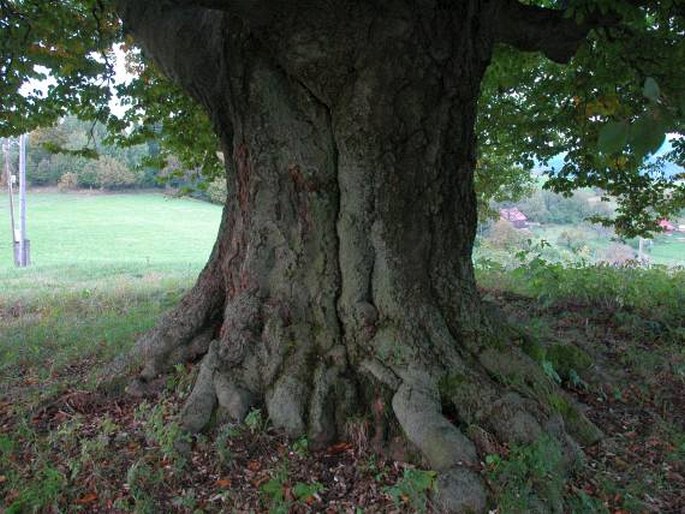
(148, 229)
(104, 267)
(669, 250)
(78, 239)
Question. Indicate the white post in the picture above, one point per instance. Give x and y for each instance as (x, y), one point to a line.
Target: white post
(24, 258)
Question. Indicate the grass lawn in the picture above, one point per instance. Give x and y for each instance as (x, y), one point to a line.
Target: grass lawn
(146, 229)
(104, 268)
(79, 240)
(669, 250)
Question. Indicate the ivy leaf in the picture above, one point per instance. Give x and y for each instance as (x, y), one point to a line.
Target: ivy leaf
(613, 136)
(651, 90)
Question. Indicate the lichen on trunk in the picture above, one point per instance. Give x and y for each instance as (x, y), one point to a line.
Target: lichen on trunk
(341, 284)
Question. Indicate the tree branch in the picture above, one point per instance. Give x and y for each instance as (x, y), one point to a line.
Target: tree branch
(257, 12)
(220, 5)
(532, 28)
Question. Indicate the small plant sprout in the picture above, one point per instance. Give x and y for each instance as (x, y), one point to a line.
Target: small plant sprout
(413, 489)
(254, 421)
(301, 446)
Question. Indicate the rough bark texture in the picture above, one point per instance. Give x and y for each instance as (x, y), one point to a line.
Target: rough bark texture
(341, 283)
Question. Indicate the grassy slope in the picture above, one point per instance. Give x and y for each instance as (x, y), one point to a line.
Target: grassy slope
(103, 228)
(629, 322)
(669, 251)
(104, 268)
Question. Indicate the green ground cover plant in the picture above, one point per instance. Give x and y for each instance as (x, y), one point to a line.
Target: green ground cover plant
(657, 292)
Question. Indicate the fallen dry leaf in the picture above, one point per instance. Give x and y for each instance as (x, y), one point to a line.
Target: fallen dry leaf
(88, 498)
(224, 483)
(338, 448)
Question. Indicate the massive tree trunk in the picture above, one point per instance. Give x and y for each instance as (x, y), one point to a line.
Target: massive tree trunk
(341, 282)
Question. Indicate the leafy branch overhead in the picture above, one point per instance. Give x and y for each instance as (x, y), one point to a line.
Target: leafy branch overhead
(599, 81)
(608, 112)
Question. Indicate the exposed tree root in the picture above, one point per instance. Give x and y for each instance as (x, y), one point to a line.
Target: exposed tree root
(451, 414)
(451, 397)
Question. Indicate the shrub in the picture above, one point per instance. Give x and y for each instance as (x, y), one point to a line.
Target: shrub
(573, 238)
(504, 236)
(44, 173)
(619, 254)
(68, 181)
(112, 174)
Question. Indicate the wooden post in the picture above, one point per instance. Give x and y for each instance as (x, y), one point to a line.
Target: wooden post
(10, 192)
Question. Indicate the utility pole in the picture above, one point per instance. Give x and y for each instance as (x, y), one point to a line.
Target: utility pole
(24, 244)
(10, 191)
(21, 245)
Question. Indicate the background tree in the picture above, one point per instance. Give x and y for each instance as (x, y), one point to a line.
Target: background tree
(503, 236)
(545, 206)
(85, 150)
(39, 170)
(341, 281)
(605, 113)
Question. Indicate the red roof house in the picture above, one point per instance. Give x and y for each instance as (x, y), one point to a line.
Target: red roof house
(667, 226)
(514, 216)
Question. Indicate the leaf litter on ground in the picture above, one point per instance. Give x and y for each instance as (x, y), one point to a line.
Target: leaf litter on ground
(67, 446)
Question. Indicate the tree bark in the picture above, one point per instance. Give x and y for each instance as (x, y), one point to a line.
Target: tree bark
(341, 284)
